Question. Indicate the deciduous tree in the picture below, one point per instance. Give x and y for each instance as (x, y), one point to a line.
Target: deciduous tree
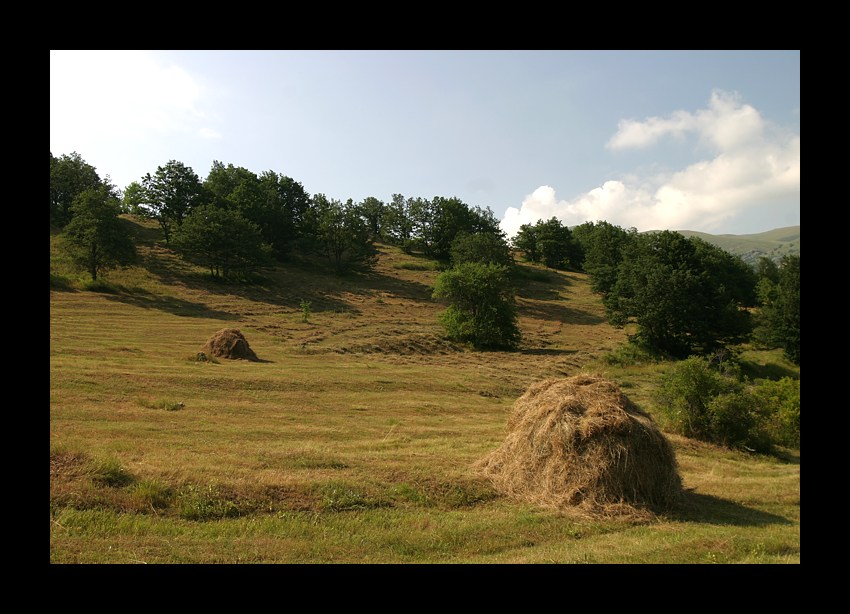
(223, 240)
(170, 195)
(99, 240)
(482, 308)
(70, 175)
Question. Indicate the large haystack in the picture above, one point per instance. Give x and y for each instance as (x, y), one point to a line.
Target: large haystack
(229, 343)
(579, 444)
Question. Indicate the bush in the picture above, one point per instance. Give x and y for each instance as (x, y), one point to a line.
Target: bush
(685, 395)
(781, 401)
(737, 421)
(481, 308)
(483, 247)
(703, 403)
(305, 310)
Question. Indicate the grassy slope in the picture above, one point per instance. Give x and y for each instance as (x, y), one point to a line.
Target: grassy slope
(353, 441)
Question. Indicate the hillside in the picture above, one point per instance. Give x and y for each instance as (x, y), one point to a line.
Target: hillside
(773, 243)
(355, 437)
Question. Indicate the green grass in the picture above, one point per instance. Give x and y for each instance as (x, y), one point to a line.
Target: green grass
(422, 265)
(355, 439)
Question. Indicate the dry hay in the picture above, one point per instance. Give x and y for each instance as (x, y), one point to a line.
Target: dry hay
(229, 343)
(579, 444)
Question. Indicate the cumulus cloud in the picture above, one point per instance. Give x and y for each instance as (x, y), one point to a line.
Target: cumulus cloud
(753, 166)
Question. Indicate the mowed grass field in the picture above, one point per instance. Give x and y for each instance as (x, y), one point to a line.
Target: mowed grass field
(355, 439)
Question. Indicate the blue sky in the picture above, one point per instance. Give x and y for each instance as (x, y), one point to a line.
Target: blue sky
(697, 140)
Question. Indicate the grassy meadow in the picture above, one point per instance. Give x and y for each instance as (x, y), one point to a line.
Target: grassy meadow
(354, 439)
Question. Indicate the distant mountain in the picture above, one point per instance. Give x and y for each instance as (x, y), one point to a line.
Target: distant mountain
(773, 243)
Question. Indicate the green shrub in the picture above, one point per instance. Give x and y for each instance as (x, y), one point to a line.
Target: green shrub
(781, 402)
(705, 399)
(736, 421)
(482, 309)
(685, 395)
(305, 310)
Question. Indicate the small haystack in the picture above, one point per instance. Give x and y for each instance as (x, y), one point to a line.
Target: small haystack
(579, 444)
(229, 343)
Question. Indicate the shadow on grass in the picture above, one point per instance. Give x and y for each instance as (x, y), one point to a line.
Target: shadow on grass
(287, 284)
(786, 456)
(539, 284)
(558, 312)
(770, 370)
(60, 283)
(170, 304)
(709, 509)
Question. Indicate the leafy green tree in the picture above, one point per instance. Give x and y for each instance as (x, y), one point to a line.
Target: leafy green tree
(789, 306)
(287, 208)
(171, 194)
(602, 244)
(482, 308)
(398, 224)
(70, 175)
(778, 320)
(276, 203)
(526, 240)
(222, 240)
(435, 223)
(785, 311)
(674, 292)
(732, 278)
(134, 198)
(222, 181)
(421, 215)
(99, 240)
(549, 242)
(373, 211)
(555, 244)
(484, 247)
(451, 216)
(342, 235)
(767, 269)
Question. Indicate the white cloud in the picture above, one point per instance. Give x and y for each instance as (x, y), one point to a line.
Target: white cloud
(751, 169)
(631, 133)
(725, 124)
(119, 93)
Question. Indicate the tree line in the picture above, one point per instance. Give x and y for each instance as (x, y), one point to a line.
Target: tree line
(684, 295)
